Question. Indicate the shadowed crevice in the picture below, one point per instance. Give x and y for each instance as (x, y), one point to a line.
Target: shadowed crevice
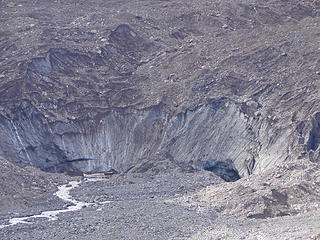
(223, 169)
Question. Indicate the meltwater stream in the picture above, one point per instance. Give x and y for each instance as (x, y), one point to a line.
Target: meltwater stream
(64, 194)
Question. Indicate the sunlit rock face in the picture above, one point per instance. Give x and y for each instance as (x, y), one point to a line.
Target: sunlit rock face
(122, 138)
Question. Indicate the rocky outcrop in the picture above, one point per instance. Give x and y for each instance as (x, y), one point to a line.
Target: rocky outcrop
(288, 189)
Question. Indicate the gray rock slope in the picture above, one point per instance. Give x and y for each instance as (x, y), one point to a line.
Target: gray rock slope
(123, 82)
(159, 91)
(120, 139)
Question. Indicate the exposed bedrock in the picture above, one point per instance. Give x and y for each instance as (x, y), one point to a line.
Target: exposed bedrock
(216, 134)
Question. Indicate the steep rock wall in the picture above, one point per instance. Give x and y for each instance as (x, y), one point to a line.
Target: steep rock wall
(122, 138)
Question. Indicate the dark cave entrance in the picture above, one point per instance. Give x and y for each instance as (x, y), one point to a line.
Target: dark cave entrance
(224, 169)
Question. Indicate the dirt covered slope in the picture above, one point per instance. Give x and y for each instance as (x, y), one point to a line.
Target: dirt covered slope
(75, 76)
(73, 58)
(27, 188)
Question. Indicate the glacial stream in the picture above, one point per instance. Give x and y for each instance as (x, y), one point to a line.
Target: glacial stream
(64, 194)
